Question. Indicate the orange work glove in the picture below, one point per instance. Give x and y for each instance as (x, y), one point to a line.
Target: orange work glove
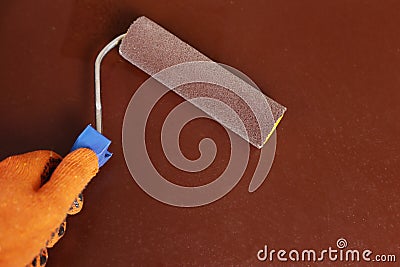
(35, 198)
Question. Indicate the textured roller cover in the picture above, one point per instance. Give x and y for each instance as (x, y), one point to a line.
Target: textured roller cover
(218, 92)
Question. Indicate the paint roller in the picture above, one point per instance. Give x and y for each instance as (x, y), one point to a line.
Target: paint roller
(194, 76)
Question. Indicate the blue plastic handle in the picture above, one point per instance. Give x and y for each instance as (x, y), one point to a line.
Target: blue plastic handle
(92, 139)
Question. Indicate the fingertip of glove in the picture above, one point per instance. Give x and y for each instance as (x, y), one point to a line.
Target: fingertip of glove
(85, 157)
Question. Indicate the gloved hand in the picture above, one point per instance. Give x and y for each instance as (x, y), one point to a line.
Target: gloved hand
(36, 192)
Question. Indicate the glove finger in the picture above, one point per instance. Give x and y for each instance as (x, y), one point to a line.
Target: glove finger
(27, 172)
(68, 180)
(57, 234)
(40, 260)
(76, 206)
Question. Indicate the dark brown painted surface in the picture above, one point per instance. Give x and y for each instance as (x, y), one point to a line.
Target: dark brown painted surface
(334, 64)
